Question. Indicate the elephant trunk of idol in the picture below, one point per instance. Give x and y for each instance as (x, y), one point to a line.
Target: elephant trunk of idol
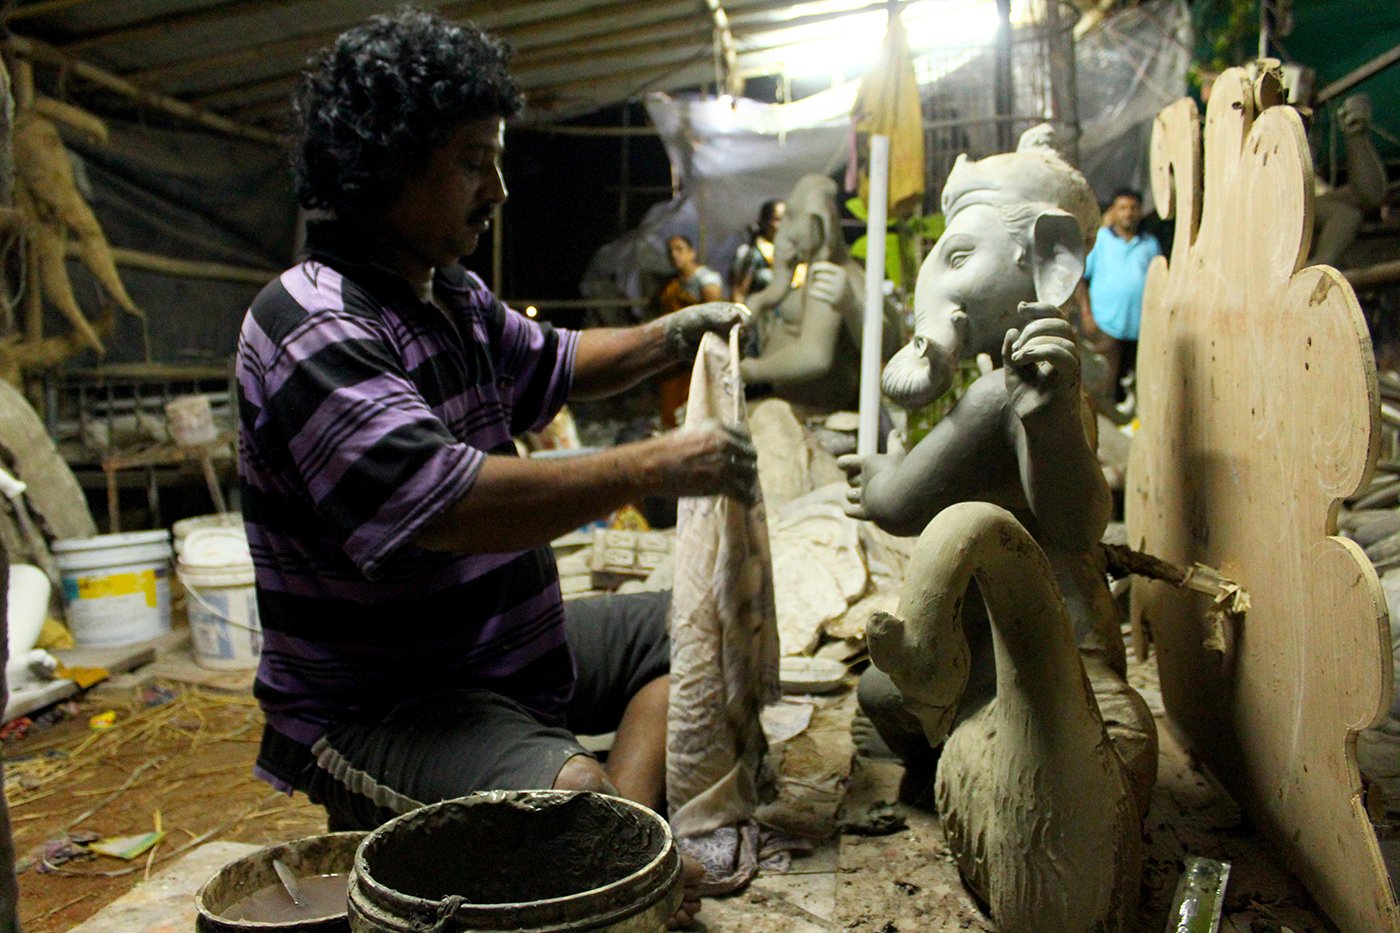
(1035, 803)
(923, 369)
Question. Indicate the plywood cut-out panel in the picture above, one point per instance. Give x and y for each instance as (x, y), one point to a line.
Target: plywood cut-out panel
(1257, 395)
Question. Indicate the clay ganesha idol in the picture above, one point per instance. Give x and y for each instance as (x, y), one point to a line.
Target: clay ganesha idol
(1047, 756)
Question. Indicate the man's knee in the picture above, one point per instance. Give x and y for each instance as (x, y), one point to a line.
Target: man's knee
(584, 773)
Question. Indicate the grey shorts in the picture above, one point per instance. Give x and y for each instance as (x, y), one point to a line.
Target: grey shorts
(456, 741)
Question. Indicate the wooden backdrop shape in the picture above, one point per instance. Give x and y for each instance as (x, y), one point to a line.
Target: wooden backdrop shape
(1258, 401)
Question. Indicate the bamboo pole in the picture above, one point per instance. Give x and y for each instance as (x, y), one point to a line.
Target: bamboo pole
(34, 50)
(726, 72)
(186, 268)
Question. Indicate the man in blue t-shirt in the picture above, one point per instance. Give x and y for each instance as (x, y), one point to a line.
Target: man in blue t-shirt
(1116, 273)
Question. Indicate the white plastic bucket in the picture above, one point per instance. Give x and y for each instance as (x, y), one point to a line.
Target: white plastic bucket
(181, 529)
(217, 572)
(116, 588)
(28, 604)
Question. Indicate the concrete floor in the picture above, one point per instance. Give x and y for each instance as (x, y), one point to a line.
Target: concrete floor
(906, 881)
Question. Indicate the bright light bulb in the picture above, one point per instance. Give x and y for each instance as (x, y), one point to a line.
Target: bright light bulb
(532, 311)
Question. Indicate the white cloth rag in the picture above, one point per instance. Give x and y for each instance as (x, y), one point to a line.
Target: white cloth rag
(724, 643)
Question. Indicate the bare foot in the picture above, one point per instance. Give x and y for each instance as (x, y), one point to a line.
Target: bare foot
(691, 874)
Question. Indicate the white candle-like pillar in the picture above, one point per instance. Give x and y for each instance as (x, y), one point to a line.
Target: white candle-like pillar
(872, 335)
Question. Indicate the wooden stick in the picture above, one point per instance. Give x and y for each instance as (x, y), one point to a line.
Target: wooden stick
(76, 118)
(1354, 77)
(33, 298)
(187, 268)
(1379, 496)
(34, 50)
(1124, 561)
(1382, 273)
(22, 83)
(211, 478)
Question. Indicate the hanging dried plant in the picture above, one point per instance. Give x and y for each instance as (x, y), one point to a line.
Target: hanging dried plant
(53, 212)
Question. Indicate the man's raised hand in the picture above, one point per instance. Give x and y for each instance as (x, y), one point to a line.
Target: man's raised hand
(707, 459)
(684, 328)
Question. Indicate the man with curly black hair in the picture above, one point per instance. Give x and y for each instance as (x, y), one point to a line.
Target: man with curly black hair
(416, 644)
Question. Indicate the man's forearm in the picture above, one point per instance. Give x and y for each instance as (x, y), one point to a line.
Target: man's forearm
(612, 359)
(516, 504)
(519, 503)
(1086, 313)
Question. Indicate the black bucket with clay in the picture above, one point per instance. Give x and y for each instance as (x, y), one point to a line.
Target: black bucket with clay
(529, 861)
(247, 896)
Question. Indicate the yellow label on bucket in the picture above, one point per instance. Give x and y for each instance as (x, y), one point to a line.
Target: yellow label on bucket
(119, 584)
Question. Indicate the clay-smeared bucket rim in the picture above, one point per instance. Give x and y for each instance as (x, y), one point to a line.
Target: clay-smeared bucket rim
(209, 919)
(667, 851)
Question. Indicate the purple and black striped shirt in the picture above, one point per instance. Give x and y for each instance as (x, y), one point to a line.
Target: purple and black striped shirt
(363, 413)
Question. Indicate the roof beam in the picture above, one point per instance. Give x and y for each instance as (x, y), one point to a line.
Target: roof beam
(620, 84)
(524, 38)
(609, 42)
(36, 51)
(498, 10)
(172, 23)
(656, 55)
(743, 26)
(586, 33)
(512, 18)
(251, 94)
(538, 37)
(256, 89)
(597, 27)
(41, 8)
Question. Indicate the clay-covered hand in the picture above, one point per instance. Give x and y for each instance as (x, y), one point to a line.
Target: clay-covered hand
(1042, 366)
(684, 328)
(826, 282)
(860, 471)
(707, 459)
(1354, 115)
